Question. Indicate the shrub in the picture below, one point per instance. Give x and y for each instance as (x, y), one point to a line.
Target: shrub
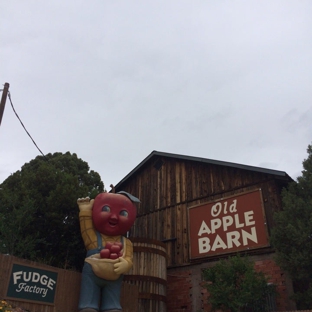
(234, 285)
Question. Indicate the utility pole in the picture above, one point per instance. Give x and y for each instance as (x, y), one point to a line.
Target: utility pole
(3, 99)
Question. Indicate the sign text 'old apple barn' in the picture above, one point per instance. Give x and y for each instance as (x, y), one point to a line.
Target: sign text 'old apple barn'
(228, 225)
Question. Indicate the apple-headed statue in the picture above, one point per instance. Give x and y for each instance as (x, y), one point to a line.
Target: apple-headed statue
(103, 222)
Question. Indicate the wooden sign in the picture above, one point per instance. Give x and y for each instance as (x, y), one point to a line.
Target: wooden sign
(32, 284)
(228, 225)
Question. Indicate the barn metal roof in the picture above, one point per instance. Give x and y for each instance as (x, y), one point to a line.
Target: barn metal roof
(277, 173)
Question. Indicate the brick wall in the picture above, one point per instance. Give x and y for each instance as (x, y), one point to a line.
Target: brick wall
(278, 278)
(179, 285)
(185, 291)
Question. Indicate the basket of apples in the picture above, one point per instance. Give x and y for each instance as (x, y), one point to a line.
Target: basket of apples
(103, 262)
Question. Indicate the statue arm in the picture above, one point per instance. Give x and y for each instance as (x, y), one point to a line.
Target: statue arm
(86, 226)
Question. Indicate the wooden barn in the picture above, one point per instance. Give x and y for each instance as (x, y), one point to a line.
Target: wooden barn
(202, 210)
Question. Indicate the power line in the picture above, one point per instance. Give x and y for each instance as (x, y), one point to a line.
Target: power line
(9, 96)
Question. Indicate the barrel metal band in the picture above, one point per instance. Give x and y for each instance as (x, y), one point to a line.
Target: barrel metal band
(147, 241)
(150, 250)
(150, 296)
(144, 278)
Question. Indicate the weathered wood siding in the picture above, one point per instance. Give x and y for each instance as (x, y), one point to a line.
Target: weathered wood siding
(67, 292)
(168, 186)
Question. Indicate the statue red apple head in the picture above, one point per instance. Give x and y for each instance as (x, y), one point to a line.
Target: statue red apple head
(114, 213)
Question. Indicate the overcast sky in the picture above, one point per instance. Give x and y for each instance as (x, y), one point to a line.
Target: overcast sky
(114, 80)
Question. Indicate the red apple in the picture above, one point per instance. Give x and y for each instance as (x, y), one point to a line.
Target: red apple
(120, 253)
(105, 253)
(115, 249)
(109, 245)
(118, 244)
(113, 256)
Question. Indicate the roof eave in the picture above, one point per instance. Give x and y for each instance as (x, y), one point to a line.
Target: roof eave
(278, 174)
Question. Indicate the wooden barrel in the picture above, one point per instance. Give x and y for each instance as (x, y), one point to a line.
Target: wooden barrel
(149, 273)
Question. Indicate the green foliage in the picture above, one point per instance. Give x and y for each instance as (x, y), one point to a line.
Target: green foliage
(234, 285)
(303, 293)
(14, 239)
(292, 234)
(39, 212)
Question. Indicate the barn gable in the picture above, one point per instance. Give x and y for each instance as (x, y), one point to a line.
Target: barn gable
(229, 205)
(169, 184)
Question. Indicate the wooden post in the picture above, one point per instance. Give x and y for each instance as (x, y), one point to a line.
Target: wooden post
(3, 100)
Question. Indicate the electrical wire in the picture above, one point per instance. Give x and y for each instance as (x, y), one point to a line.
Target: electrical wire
(9, 96)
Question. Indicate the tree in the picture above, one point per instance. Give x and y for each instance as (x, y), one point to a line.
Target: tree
(14, 239)
(39, 213)
(234, 285)
(292, 234)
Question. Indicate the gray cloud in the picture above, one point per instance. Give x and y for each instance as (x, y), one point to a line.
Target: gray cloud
(112, 81)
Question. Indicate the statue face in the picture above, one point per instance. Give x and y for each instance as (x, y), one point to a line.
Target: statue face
(113, 214)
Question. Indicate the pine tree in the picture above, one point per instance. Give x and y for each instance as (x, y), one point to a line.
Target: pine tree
(292, 234)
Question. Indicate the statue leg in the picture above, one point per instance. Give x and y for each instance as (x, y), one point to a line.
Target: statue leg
(89, 292)
(111, 296)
